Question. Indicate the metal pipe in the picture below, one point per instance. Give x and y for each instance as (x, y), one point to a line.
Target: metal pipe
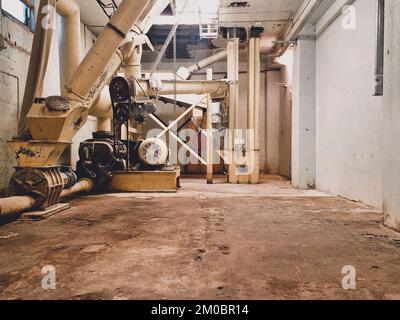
(266, 44)
(13, 205)
(255, 175)
(217, 89)
(72, 55)
(219, 56)
(233, 103)
(102, 53)
(102, 107)
(18, 204)
(82, 186)
(307, 8)
(104, 124)
(380, 47)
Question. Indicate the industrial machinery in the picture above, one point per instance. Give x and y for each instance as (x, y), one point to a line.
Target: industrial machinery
(109, 152)
(112, 160)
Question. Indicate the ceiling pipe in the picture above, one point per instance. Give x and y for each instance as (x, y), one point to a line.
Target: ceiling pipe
(308, 7)
(147, 88)
(266, 44)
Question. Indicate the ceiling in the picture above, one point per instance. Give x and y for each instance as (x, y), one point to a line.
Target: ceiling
(272, 15)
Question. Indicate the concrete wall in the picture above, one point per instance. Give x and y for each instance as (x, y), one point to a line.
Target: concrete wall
(272, 121)
(14, 60)
(304, 108)
(391, 140)
(285, 119)
(348, 117)
(15, 47)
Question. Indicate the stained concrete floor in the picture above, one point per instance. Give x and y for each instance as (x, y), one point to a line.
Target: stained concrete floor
(268, 241)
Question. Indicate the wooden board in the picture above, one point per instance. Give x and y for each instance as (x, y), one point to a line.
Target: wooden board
(41, 215)
(145, 181)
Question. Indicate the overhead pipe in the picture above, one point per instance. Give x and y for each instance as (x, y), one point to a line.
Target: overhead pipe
(217, 89)
(102, 60)
(266, 44)
(380, 47)
(308, 7)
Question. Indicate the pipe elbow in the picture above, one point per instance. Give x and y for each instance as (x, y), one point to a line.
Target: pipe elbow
(67, 8)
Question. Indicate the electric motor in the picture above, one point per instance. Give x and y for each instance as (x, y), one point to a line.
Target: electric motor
(153, 152)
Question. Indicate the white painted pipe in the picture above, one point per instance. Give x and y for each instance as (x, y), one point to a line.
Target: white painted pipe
(82, 186)
(103, 52)
(266, 45)
(217, 89)
(102, 107)
(72, 54)
(13, 205)
(306, 10)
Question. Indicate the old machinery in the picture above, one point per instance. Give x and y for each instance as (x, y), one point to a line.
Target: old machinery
(99, 157)
(125, 109)
(44, 185)
(153, 152)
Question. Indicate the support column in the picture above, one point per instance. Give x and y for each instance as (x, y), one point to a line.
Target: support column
(391, 118)
(253, 113)
(210, 146)
(233, 77)
(304, 111)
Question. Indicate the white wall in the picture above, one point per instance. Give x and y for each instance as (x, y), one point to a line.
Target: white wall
(348, 117)
(285, 132)
(391, 145)
(272, 122)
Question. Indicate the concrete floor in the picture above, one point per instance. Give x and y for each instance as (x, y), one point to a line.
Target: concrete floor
(268, 241)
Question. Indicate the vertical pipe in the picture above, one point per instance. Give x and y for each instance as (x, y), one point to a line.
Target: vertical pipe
(380, 47)
(250, 107)
(104, 124)
(255, 175)
(210, 147)
(72, 54)
(133, 69)
(233, 78)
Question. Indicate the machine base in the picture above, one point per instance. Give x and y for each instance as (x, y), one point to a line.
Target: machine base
(146, 181)
(41, 215)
